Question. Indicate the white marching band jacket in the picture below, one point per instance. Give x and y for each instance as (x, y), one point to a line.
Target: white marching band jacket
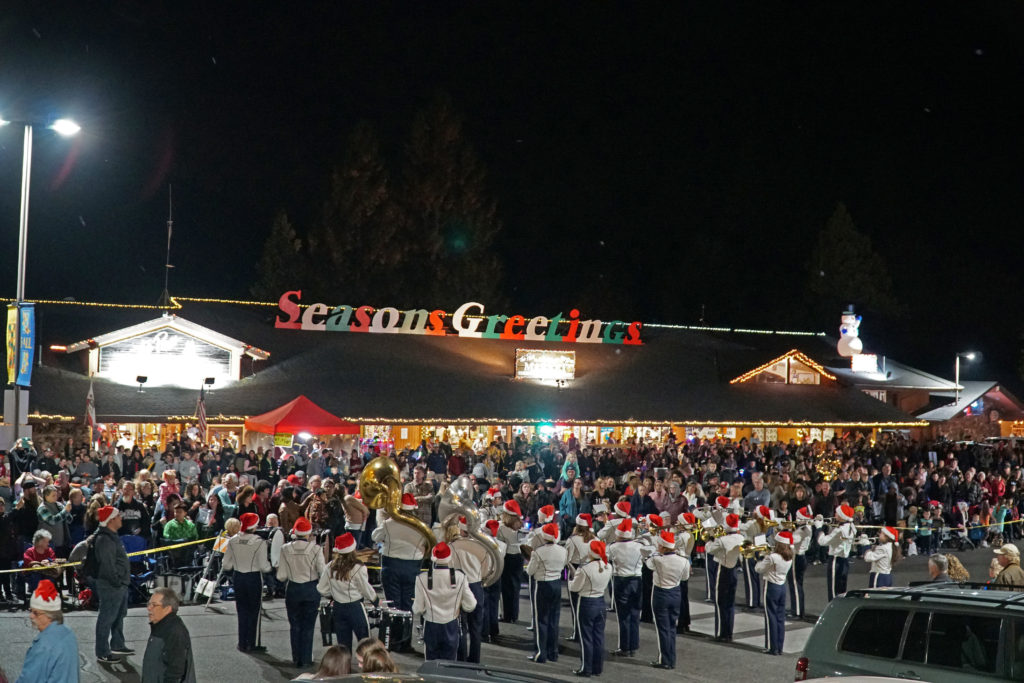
(773, 568)
(669, 570)
(880, 557)
(839, 540)
(301, 561)
(627, 558)
(547, 562)
(353, 589)
(400, 541)
(591, 579)
(246, 553)
(726, 549)
(442, 602)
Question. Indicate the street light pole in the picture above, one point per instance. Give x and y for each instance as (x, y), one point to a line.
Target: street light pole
(19, 298)
(969, 355)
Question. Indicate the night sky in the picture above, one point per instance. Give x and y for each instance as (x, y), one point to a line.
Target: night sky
(669, 156)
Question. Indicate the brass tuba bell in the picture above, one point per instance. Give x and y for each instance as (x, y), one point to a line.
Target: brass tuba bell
(380, 485)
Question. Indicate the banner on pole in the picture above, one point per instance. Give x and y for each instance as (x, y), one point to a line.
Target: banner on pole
(12, 343)
(27, 341)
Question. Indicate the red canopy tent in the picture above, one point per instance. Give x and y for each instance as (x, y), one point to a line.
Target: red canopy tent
(300, 415)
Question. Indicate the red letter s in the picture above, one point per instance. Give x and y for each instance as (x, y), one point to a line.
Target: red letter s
(291, 308)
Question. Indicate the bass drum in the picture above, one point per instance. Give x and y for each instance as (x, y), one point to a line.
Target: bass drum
(395, 630)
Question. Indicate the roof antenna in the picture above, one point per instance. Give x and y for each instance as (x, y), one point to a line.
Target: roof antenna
(165, 298)
(702, 314)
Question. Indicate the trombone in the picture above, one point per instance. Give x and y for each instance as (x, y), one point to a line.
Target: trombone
(749, 550)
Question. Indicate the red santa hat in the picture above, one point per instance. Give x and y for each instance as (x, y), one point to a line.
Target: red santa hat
(655, 521)
(546, 514)
(805, 514)
(722, 502)
(584, 519)
(511, 507)
(105, 514)
(45, 598)
(357, 495)
(302, 527)
(625, 528)
(463, 524)
(549, 532)
(409, 502)
(249, 520)
(785, 537)
(763, 512)
(891, 533)
(442, 553)
(666, 539)
(732, 522)
(622, 508)
(687, 519)
(492, 526)
(293, 480)
(492, 493)
(598, 549)
(344, 544)
(845, 513)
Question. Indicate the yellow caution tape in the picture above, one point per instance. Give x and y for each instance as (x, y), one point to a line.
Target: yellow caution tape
(63, 565)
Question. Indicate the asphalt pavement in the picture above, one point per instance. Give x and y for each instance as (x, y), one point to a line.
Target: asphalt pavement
(214, 636)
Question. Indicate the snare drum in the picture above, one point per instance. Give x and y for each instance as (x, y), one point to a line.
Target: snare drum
(395, 629)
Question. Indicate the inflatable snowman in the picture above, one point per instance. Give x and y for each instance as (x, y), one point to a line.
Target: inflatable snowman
(849, 339)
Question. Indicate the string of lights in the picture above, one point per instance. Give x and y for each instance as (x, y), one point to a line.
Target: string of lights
(793, 354)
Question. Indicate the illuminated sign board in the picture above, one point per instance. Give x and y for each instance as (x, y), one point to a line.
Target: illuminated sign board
(864, 362)
(550, 366)
(467, 321)
(165, 356)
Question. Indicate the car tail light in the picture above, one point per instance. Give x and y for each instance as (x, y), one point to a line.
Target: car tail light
(802, 665)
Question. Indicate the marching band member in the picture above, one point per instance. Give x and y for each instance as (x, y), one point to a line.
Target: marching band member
(685, 541)
(493, 592)
(401, 555)
(648, 541)
(758, 526)
(802, 536)
(607, 533)
(589, 583)
(710, 518)
(248, 557)
(301, 564)
(512, 573)
(626, 558)
(840, 543)
(491, 509)
(546, 565)
(346, 582)
(471, 557)
(545, 515)
(578, 552)
(882, 557)
(669, 569)
(726, 551)
(775, 567)
(440, 596)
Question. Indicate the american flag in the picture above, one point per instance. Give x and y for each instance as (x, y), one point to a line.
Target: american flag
(90, 408)
(201, 413)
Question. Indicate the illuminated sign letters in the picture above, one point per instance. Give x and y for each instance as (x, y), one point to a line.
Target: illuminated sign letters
(550, 366)
(469, 321)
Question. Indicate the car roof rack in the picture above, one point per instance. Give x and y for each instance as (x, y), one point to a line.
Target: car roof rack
(920, 589)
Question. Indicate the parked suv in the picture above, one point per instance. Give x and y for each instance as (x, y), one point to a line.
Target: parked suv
(935, 632)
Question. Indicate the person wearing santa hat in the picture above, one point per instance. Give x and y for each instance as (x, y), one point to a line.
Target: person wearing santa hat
(626, 557)
(300, 568)
(535, 539)
(512, 572)
(248, 557)
(685, 541)
(669, 569)
(802, 536)
(470, 555)
(402, 552)
(651, 525)
(492, 593)
(53, 654)
(441, 594)
(589, 582)
(758, 525)
(839, 542)
(774, 567)
(712, 517)
(577, 550)
(621, 510)
(882, 558)
(546, 565)
(346, 582)
(726, 551)
(113, 577)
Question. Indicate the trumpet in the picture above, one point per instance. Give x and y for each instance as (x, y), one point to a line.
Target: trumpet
(712, 533)
(749, 550)
(788, 526)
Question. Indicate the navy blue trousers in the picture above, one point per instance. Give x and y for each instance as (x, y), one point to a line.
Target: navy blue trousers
(398, 578)
(774, 617)
(547, 603)
(711, 571)
(751, 583)
(302, 601)
(473, 626)
(627, 611)
(878, 580)
(795, 579)
(590, 616)
(493, 598)
(441, 641)
(725, 600)
(836, 572)
(350, 619)
(684, 607)
(248, 593)
(665, 607)
(511, 585)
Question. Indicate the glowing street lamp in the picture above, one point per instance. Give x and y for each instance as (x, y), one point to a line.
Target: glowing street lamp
(64, 128)
(967, 355)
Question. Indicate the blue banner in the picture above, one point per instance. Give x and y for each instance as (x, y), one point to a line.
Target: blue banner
(26, 344)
